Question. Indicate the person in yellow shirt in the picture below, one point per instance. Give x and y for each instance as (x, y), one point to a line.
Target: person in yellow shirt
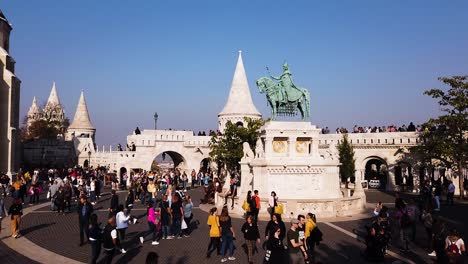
(215, 234)
(310, 244)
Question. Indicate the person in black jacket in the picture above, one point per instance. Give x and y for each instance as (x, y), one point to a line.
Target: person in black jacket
(109, 240)
(114, 204)
(275, 253)
(251, 234)
(94, 237)
(273, 225)
(85, 209)
(15, 212)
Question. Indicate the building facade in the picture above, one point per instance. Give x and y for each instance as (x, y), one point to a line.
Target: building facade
(9, 104)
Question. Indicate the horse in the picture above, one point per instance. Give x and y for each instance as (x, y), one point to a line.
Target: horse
(296, 96)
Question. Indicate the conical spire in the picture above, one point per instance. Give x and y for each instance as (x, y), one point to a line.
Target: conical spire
(34, 109)
(240, 101)
(81, 119)
(53, 97)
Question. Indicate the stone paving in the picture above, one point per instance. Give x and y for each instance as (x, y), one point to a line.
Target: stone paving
(60, 234)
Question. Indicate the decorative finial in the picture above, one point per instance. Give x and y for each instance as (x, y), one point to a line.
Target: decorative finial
(240, 51)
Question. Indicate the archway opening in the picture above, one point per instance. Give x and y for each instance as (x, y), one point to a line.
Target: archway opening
(205, 165)
(168, 160)
(376, 173)
(240, 124)
(123, 171)
(86, 164)
(403, 175)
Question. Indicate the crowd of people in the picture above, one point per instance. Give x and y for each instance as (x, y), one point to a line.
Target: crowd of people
(398, 227)
(376, 129)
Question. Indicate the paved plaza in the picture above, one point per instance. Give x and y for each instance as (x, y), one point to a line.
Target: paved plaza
(57, 236)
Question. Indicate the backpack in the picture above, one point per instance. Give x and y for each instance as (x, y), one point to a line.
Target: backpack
(253, 203)
(405, 220)
(453, 248)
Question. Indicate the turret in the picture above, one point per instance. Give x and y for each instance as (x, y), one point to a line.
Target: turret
(81, 125)
(34, 113)
(53, 109)
(5, 29)
(239, 103)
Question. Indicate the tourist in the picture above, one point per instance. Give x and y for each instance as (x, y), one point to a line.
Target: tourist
(15, 211)
(59, 201)
(94, 237)
(251, 201)
(193, 176)
(184, 181)
(84, 210)
(53, 190)
(450, 193)
(67, 191)
(34, 193)
(152, 191)
(227, 235)
(177, 213)
(122, 221)
(275, 248)
(109, 240)
(165, 218)
(301, 228)
(92, 190)
(455, 247)
(143, 190)
(272, 203)
(3, 212)
(129, 201)
(114, 203)
(273, 225)
(251, 234)
(404, 224)
(169, 194)
(437, 194)
(213, 223)
(256, 209)
(188, 215)
(427, 220)
(152, 258)
(232, 191)
(310, 240)
(376, 241)
(413, 213)
(154, 224)
(296, 249)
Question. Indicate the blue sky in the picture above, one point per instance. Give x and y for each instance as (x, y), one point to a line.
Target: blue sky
(364, 62)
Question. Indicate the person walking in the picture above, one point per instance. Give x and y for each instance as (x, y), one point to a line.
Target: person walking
(272, 203)
(275, 248)
(109, 240)
(437, 194)
(59, 201)
(53, 190)
(114, 203)
(188, 215)
(84, 210)
(251, 234)
(94, 237)
(296, 249)
(213, 223)
(309, 240)
(256, 210)
(122, 225)
(227, 235)
(15, 211)
(165, 218)
(154, 224)
(177, 213)
(130, 201)
(450, 193)
(92, 190)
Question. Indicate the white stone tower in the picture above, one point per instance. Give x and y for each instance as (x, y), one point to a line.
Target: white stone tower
(53, 110)
(81, 125)
(34, 112)
(239, 103)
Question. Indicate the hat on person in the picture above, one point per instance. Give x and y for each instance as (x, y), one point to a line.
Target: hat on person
(294, 221)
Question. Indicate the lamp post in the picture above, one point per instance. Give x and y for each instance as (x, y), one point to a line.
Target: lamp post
(155, 120)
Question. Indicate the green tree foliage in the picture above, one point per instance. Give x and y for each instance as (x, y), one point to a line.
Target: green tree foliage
(445, 137)
(227, 148)
(347, 160)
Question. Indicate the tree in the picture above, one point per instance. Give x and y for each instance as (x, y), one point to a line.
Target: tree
(347, 160)
(227, 148)
(445, 137)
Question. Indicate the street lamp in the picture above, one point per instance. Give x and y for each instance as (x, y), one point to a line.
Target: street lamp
(155, 120)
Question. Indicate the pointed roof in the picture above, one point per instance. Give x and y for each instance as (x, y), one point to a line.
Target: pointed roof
(34, 109)
(81, 119)
(53, 97)
(240, 101)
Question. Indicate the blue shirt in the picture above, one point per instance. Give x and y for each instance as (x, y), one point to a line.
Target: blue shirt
(188, 209)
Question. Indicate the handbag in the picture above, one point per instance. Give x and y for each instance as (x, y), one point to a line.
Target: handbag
(48, 195)
(184, 225)
(246, 206)
(279, 209)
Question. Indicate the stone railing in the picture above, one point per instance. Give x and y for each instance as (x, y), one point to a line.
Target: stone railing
(363, 139)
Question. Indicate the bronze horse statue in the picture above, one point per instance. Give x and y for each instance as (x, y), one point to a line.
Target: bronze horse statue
(285, 99)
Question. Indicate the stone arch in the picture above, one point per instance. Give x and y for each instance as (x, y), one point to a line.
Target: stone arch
(86, 163)
(375, 168)
(178, 159)
(122, 171)
(205, 164)
(239, 124)
(403, 174)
